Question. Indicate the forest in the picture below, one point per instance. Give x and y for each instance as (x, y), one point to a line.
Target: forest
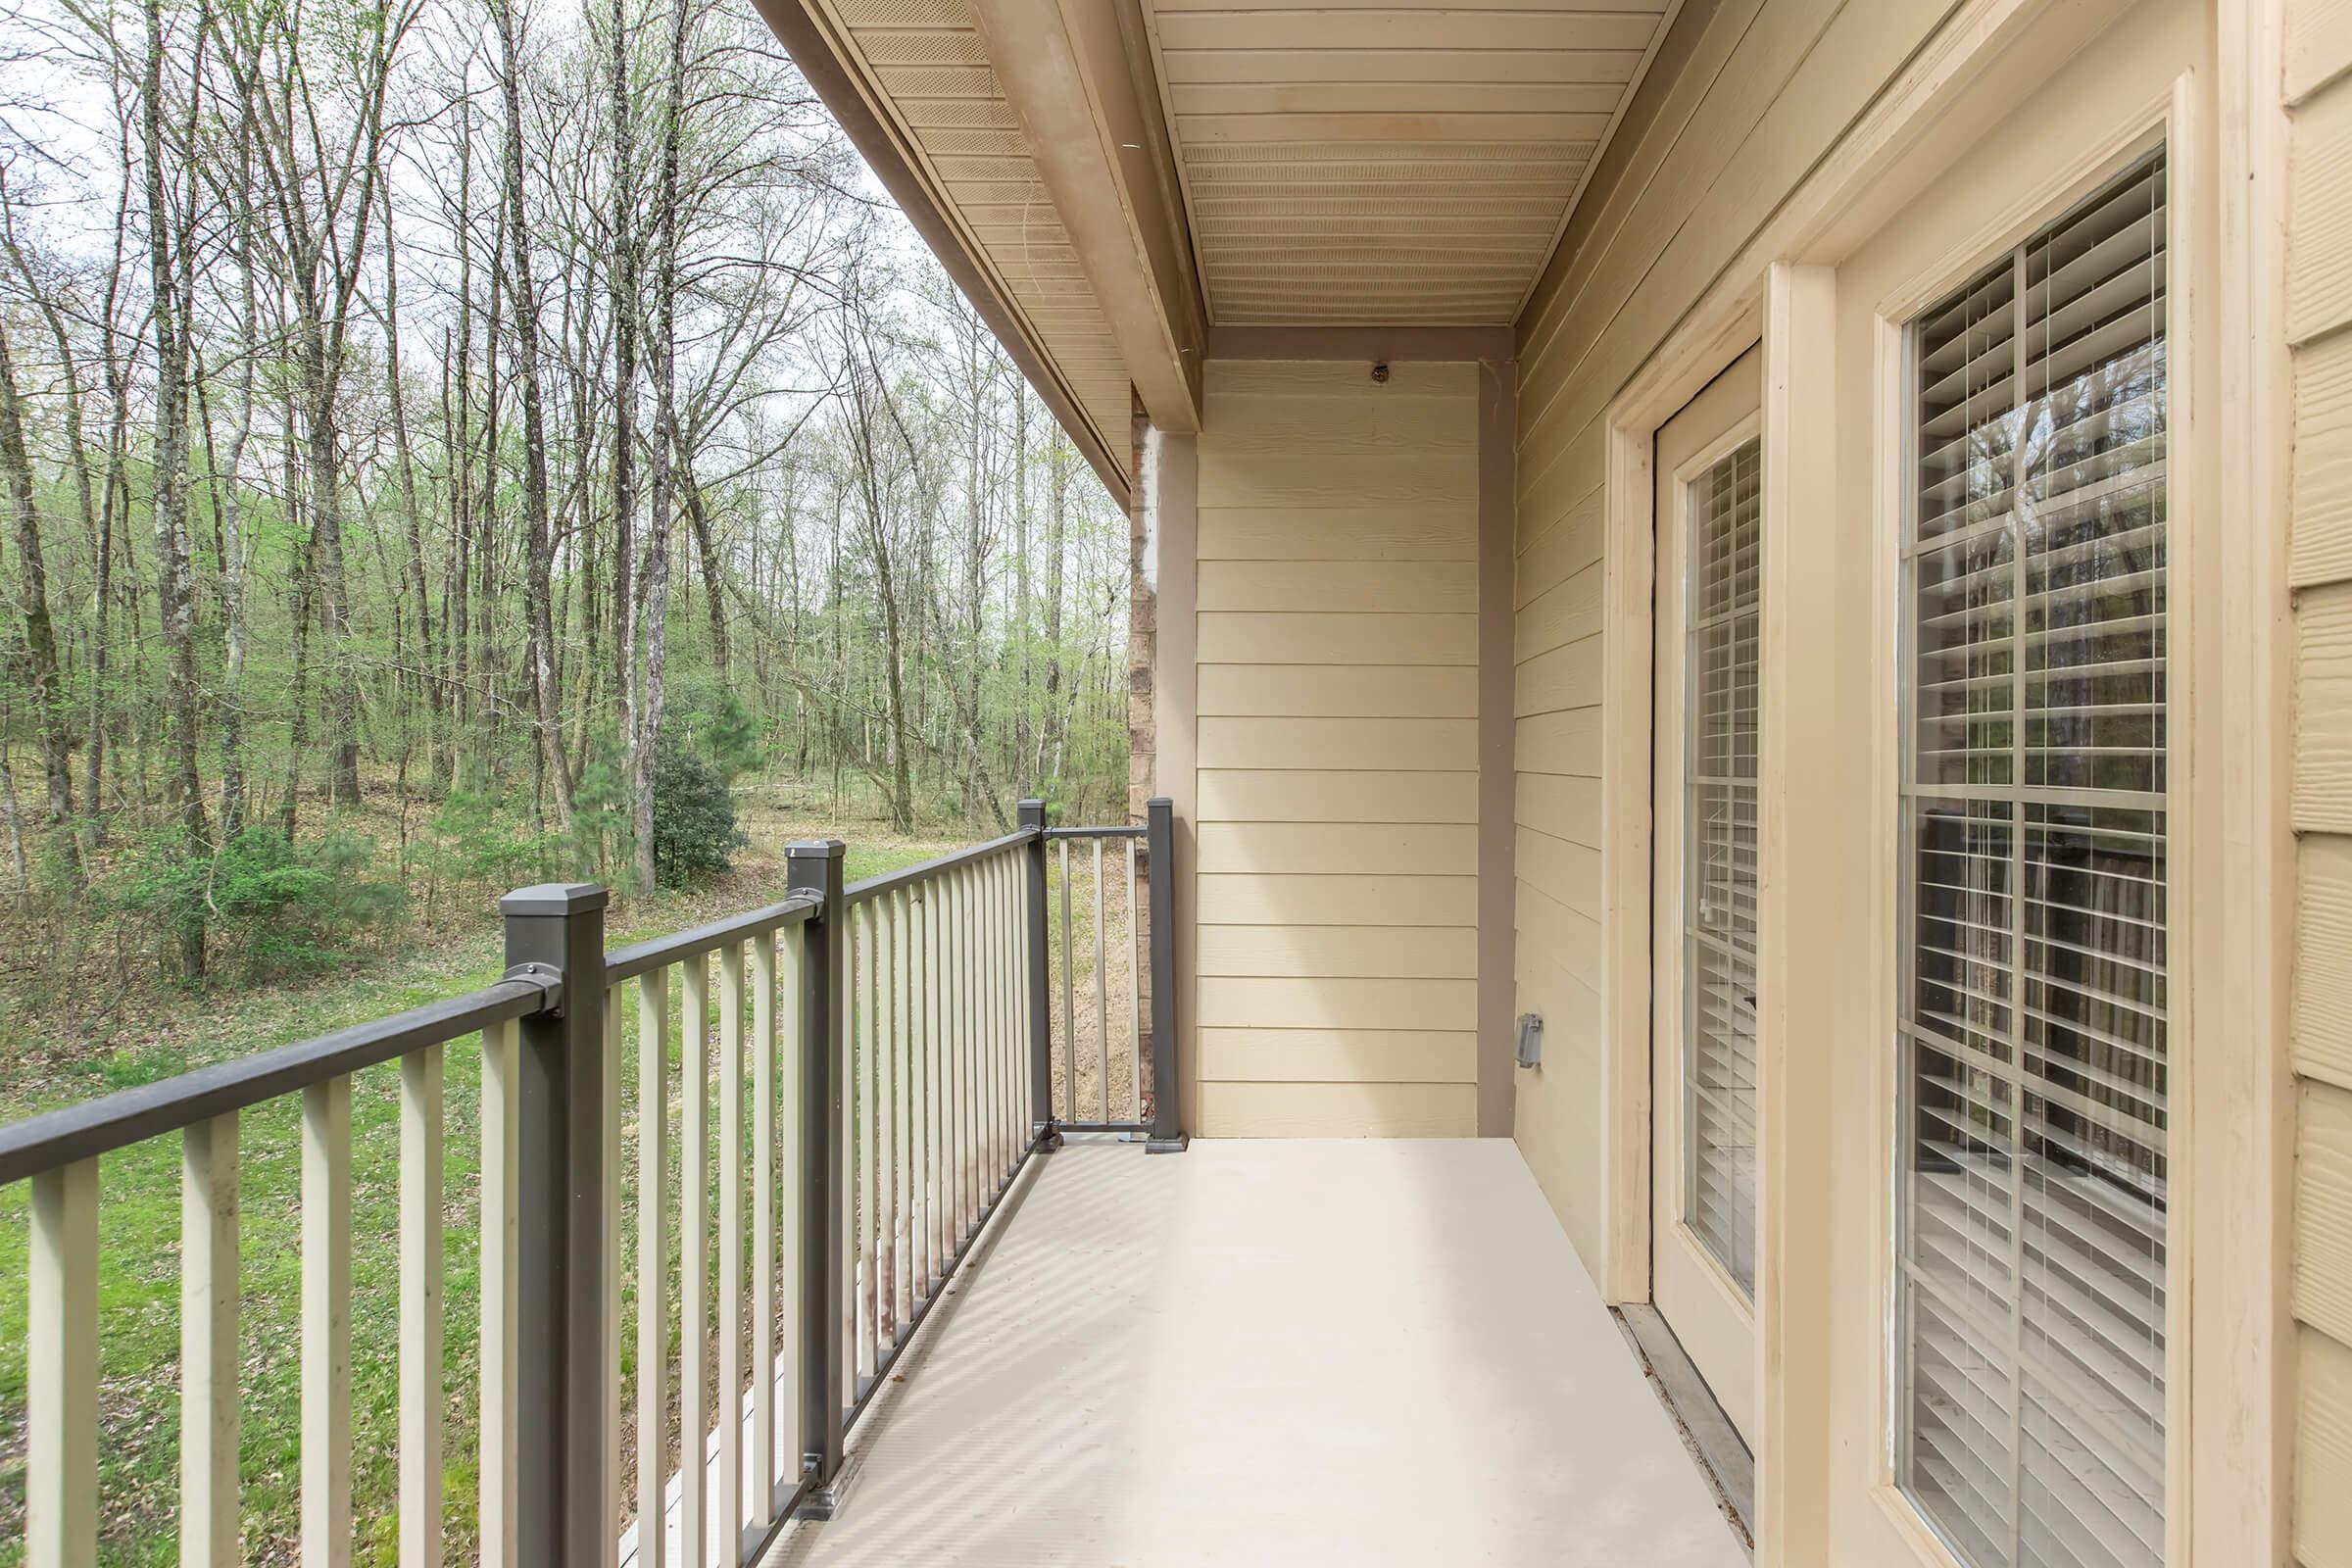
(454, 443)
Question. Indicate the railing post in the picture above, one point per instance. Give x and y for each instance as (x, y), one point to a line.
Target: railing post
(1034, 976)
(815, 867)
(563, 1506)
(1168, 1135)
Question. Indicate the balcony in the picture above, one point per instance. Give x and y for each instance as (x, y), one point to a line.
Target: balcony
(942, 1302)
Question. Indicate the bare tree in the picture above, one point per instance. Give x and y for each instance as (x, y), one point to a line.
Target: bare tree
(40, 637)
(625, 308)
(539, 550)
(319, 164)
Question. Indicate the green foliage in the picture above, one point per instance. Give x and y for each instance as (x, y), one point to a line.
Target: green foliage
(270, 908)
(474, 843)
(57, 869)
(694, 834)
(596, 847)
(708, 713)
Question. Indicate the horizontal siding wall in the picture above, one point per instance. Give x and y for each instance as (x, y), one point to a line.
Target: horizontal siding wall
(1747, 95)
(2320, 327)
(1336, 785)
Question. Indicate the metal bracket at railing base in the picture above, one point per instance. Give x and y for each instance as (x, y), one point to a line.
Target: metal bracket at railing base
(826, 1501)
(1045, 1137)
(1168, 1145)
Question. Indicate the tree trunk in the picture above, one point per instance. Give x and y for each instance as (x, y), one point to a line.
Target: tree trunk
(298, 722)
(40, 637)
(169, 289)
(16, 833)
(235, 556)
(713, 596)
(625, 305)
(111, 509)
(77, 447)
(902, 788)
(458, 453)
(539, 568)
(1056, 722)
(665, 445)
(899, 784)
(488, 661)
(406, 462)
(334, 585)
(1021, 715)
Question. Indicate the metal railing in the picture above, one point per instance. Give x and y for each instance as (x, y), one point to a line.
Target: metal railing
(1097, 1054)
(1102, 1050)
(938, 1122)
(864, 1054)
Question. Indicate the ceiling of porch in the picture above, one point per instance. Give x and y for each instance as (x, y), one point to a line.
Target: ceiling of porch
(925, 62)
(1354, 161)
(1107, 180)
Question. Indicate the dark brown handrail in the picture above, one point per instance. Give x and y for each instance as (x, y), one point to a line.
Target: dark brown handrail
(914, 875)
(128, 1116)
(646, 956)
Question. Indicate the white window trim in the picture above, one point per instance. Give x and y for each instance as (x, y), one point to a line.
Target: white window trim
(2192, 858)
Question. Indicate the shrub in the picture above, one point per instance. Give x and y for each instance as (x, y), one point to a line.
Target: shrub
(710, 716)
(694, 836)
(270, 908)
(473, 843)
(597, 843)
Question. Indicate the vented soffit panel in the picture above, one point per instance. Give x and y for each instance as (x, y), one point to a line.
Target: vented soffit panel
(1365, 162)
(911, 83)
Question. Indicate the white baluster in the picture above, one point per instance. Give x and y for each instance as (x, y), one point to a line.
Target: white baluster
(208, 1344)
(693, 1243)
(764, 1229)
(501, 1173)
(421, 1393)
(60, 1373)
(728, 1508)
(326, 1324)
(653, 1266)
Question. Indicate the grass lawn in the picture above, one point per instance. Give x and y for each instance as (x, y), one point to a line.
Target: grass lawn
(57, 1048)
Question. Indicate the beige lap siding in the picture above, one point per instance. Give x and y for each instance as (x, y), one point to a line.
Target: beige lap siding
(1744, 97)
(2320, 327)
(1336, 841)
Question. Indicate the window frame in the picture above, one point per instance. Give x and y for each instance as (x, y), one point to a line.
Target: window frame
(1677, 916)
(2190, 857)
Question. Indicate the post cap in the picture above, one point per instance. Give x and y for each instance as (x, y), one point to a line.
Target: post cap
(555, 898)
(815, 850)
(1033, 812)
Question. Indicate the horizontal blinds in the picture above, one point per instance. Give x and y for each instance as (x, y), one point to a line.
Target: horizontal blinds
(2033, 1036)
(1719, 966)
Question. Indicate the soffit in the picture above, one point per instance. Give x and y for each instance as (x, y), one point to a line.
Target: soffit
(924, 71)
(1354, 161)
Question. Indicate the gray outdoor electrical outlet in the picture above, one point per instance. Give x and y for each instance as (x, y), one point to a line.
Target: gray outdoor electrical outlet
(1531, 1038)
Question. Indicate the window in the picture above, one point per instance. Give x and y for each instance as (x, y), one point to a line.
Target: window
(2032, 1034)
(1722, 621)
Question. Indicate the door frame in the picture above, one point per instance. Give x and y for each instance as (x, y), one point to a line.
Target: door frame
(1702, 1340)
(2232, 1446)
(1629, 573)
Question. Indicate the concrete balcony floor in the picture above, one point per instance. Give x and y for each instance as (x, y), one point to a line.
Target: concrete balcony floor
(1289, 1352)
